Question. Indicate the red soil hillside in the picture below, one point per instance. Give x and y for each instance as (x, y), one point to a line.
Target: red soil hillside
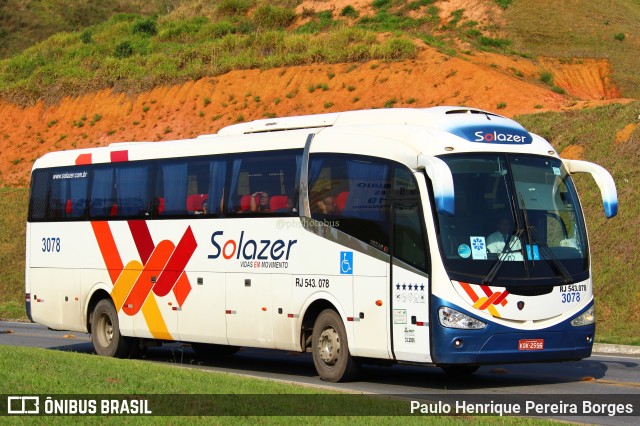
(505, 85)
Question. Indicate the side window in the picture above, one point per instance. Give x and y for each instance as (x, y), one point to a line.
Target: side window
(68, 197)
(39, 195)
(120, 191)
(193, 186)
(58, 194)
(353, 194)
(264, 183)
(408, 233)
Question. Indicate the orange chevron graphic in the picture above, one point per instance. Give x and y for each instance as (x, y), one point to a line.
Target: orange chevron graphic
(488, 302)
(161, 271)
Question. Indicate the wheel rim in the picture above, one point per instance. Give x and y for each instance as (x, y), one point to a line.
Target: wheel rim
(329, 346)
(104, 333)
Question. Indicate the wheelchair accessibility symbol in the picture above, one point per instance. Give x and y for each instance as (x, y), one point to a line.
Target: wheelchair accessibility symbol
(346, 262)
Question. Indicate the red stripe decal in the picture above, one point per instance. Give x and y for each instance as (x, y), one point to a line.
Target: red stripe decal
(144, 283)
(467, 288)
(486, 290)
(182, 289)
(142, 238)
(490, 301)
(119, 156)
(501, 298)
(108, 248)
(83, 159)
(176, 263)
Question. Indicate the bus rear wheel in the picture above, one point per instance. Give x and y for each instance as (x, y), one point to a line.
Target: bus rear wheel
(105, 332)
(330, 349)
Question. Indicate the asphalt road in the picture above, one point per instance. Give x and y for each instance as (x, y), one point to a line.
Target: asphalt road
(617, 375)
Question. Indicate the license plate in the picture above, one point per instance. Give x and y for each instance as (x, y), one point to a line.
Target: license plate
(530, 344)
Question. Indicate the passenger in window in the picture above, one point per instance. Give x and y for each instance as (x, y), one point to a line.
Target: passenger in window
(203, 209)
(290, 206)
(260, 202)
(327, 205)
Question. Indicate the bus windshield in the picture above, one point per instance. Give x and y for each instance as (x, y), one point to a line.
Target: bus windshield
(517, 222)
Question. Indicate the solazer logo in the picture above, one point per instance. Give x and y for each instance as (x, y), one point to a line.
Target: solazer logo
(500, 137)
(494, 135)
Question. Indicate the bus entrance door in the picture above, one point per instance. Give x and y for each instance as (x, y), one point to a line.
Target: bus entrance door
(410, 313)
(409, 281)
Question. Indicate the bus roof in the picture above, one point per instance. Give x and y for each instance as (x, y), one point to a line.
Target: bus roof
(396, 133)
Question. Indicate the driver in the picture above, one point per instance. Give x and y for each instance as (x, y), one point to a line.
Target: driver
(503, 236)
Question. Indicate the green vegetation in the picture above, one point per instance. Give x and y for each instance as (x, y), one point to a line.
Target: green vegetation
(547, 78)
(13, 204)
(24, 23)
(612, 242)
(349, 11)
(135, 53)
(503, 3)
(584, 30)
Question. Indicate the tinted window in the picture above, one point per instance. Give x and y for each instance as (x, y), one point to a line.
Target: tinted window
(264, 183)
(408, 231)
(68, 193)
(193, 186)
(354, 193)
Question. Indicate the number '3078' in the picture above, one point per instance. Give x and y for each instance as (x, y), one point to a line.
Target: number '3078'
(50, 245)
(570, 297)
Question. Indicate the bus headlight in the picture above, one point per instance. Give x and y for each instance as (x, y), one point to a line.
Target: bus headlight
(453, 319)
(588, 317)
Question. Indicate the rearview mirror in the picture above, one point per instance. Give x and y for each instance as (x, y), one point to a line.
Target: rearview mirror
(603, 180)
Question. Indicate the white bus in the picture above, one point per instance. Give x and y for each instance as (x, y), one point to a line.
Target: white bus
(443, 236)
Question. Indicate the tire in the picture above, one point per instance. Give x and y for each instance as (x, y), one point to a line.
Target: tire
(330, 349)
(460, 370)
(105, 332)
(211, 351)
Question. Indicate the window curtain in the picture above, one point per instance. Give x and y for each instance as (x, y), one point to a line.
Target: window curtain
(234, 201)
(315, 167)
(132, 188)
(58, 198)
(217, 175)
(78, 192)
(175, 188)
(102, 192)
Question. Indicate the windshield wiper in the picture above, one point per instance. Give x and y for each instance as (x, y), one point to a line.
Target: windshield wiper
(493, 272)
(488, 280)
(547, 252)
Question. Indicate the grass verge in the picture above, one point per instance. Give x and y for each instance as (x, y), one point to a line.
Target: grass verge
(60, 373)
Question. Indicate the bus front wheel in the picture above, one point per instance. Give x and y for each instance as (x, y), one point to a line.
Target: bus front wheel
(331, 349)
(105, 332)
